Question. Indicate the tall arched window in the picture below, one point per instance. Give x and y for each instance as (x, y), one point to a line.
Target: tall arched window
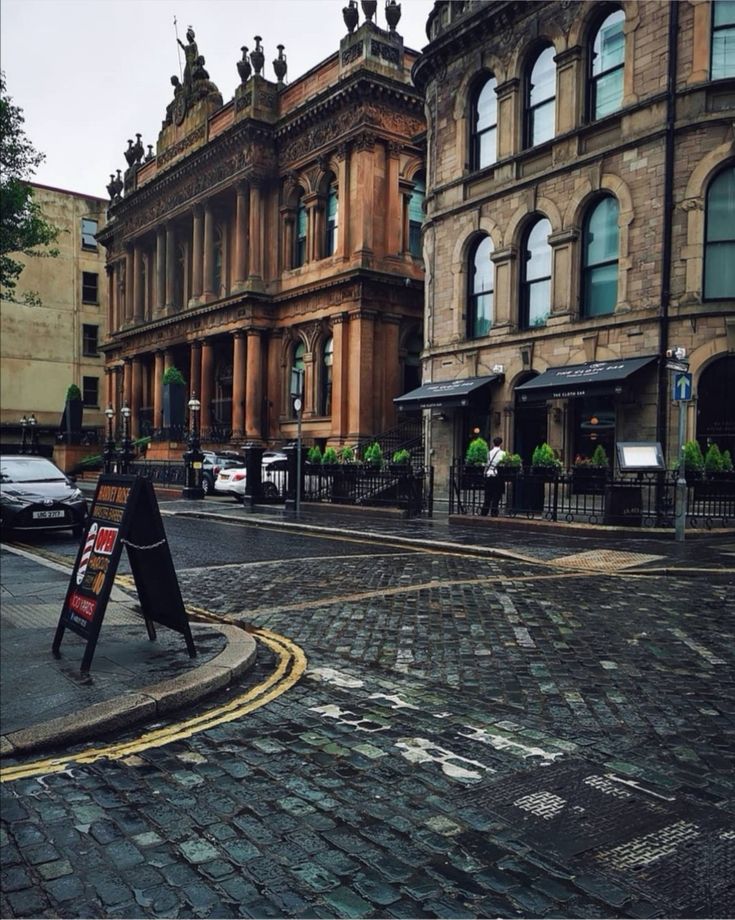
(723, 39)
(541, 99)
(484, 150)
(719, 254)
(480, 294)
(600, 258)
(298, 365)
(326, 387)
(607, 60)
(299, 255)
(416, 216)
(332, 226)
(536, 276)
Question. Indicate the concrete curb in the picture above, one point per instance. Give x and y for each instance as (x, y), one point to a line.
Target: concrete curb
(141, 705)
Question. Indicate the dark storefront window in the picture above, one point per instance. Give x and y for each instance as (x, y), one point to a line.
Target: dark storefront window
(716, 406)
(594, 424)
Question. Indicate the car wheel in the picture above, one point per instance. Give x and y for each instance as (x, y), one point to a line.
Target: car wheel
(270, 490)
(207, 485)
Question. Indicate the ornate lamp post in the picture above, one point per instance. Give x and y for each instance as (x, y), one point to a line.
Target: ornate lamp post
(193, 457)
(109, 451)
(126, 452)
(24, 433)
(33, 449)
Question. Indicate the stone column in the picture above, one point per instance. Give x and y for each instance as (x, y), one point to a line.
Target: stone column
(195, 370)
(138, 293)
(254, 385)
(360, 373)
(238, 384)
(509, 131)
(394, 204)
(340, 342)
(136, 390)
(197, 255)
(287, 221)
(160, 269)
(505, 284)
(158, 369)
(391, 369)
(343, 202)
(207, 383)
(363, 156)
(128, 284)
(313, 240)
(208, 255)
(255, 267)
(242, 218)
(171, 266)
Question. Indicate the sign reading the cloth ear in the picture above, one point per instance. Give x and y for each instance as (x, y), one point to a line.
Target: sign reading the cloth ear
(124, 513)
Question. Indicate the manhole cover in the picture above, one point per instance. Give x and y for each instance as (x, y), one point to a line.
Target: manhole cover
(604, 560)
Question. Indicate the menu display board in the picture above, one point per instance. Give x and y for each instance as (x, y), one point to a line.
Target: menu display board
(124, 513)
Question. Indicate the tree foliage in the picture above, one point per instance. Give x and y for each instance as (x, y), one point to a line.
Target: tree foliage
(23, 227)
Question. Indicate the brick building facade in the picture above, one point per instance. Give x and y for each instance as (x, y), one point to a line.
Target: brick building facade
(270, 233)
(580, 223)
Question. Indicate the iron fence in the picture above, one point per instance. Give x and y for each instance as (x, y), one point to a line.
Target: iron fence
(597, 497)
(162, 472)
(407, 488)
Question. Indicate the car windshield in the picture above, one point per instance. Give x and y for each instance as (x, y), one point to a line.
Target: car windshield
(36, 469)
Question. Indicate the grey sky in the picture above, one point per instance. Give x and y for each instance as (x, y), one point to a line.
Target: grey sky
(89, 74)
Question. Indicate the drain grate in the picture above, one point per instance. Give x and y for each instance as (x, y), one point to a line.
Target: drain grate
(604, 560)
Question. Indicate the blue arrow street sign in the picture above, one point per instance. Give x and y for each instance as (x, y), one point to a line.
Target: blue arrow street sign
(682, 387)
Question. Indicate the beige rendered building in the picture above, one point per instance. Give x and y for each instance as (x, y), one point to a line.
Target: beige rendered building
(580, 224)
(46, 348)
(273, 232)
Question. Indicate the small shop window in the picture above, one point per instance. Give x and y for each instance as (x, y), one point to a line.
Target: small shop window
(90, 287)
(91, 391)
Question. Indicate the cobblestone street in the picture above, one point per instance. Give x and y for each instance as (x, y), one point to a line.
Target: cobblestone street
(473, 737)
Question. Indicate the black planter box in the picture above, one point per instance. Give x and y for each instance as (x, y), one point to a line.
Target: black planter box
(623, 505)
(174, 405)
(528, 493)
(589, 481)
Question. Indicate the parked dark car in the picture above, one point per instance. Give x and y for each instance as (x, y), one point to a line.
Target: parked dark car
(36, 495)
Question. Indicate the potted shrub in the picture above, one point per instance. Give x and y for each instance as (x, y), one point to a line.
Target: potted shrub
(475, 459)
(544, 462)
(719, 473)
(314, 455)
(590, 474)
(329, 457)
(693, 462)
(509, 467)
(174, 399)
(346, 455)
(401, 460)
(374, 455)
(71, 420)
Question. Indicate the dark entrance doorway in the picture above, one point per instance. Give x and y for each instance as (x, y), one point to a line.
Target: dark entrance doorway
(530, 426)
(716, 406)
(594, 424)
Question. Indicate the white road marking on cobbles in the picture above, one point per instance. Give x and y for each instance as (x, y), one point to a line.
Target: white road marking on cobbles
(397, 702)
(421, 750)
(503, 743)
(642, 851)
(544, 805)
(696, 647)
(331, 676)
(348, 717)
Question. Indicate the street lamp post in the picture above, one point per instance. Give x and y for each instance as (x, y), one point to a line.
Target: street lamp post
(126, 451)
(193, 457)
(24, 433)
(33, 449)
(109, 451)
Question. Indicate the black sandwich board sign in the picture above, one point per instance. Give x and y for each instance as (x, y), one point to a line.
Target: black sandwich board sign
(124, 513)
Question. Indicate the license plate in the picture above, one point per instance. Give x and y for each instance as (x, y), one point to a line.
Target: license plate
(45, 515)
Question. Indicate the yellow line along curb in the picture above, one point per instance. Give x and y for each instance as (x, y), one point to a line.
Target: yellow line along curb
(290, 668)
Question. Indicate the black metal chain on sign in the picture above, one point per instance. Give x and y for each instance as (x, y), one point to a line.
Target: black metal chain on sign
(149, 546)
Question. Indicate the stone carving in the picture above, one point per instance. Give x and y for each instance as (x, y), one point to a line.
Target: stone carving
(369, 7)
(196, 85)
(257, 58)
(279, 64)
(176, 149)
(352, 53)
(350, 16)
(243, 66)
(387, 52)
(191, 53)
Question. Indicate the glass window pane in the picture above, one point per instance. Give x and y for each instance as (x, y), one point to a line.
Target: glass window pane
(482, 319)
(601, 290)
(724, 13)
(332, 204)
(538, 251)
(543, 77)
(719, 277)
(541, 126)
(416, 202)
(539, 302)
(723, 54)
(488, 148)
(301, 221)
(609, 45)
(89, 229)
(601, 241)
(721, 207)
(487, 106)
(482, 279)
(608, 93)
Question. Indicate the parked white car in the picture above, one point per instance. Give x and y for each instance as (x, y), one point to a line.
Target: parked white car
(232, 481)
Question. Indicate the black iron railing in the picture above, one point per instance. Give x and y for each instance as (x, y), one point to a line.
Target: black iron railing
(162, 472)
(597, 497)
(389, 486)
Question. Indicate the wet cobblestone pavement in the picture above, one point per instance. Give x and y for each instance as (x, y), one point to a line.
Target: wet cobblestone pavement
(472, 737)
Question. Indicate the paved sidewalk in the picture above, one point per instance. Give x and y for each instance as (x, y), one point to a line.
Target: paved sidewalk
(47, 701)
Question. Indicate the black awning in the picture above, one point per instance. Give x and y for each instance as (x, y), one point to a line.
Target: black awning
(599, 378)
(445, 394)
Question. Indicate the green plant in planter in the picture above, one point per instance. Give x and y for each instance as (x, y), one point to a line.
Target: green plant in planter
(544, 458)
(374, 454)
(713, 460)
(693, 458)
(329, 455)
(726, 462)
(346, 455)
(173, 375)
(401, 457)
(511, 462)
(314, 455)
(476, 452)
(599, 458)
(73, 393)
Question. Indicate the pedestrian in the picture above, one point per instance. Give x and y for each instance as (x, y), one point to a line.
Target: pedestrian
(493, 482)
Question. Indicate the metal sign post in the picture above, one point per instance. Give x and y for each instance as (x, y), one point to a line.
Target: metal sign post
(682, 393)
(297, 384)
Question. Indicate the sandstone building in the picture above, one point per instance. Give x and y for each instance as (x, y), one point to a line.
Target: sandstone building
(580, 223)
(277, 231)
(47, 347)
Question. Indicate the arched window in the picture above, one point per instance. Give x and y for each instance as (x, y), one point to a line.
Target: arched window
(332, 226)
(299, 255)
(480, 295)
(326, 388)
(416, 216)
(536, 276)
(541, 99)
(719, 254)
(484, 149)
(723, 39)
(607, 60)
(600, 258)
(297, 365)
